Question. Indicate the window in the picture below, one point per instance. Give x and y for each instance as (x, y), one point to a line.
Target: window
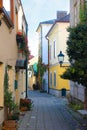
(54, 79)
(50, 79)
(50, 52)
(54, 49)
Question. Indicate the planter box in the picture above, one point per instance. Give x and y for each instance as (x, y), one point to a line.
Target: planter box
(10, 125)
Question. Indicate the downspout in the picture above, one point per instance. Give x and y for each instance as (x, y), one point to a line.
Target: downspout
(41, 43)
(41, 54)
(26, 76)
(26, 65)
(48, 64)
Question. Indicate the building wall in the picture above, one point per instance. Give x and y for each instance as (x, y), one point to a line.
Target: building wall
(32, 80)
(21, 85)
(7, 42)
(43, 49)
(59, 35)
(2, 71)
(45, 81)
(60, 83)
(45, 29)
(77, 91)
(74, 12)
(1, 117)
(31, 77)
(8, 56)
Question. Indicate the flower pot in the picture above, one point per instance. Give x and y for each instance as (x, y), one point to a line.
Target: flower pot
(10, 125)
(23, 108)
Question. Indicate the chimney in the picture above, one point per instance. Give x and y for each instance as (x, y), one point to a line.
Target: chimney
(61, 14)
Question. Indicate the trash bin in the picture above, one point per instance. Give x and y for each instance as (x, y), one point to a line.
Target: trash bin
(63, 92)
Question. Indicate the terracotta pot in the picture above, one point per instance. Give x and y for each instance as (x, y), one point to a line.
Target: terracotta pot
(23, 109)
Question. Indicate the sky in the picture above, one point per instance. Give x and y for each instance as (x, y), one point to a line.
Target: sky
(37, 11)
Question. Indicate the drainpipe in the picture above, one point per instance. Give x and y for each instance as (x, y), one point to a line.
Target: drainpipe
(41, 43)
(26, 76)
(41, 54)
(26, 65)
(48, 65)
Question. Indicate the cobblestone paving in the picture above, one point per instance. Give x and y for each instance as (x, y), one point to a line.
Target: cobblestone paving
(50, 113)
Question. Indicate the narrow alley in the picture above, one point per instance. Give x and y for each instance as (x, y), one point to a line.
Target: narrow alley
(50, 113)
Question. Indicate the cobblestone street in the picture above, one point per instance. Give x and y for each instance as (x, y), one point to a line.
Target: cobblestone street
(50, 113)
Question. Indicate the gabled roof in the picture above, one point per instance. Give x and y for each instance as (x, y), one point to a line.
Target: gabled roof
(46, 22)
(63, 19)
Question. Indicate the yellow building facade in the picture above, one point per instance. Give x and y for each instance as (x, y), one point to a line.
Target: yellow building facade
(9, 52)
(31, 76)
(57, 37)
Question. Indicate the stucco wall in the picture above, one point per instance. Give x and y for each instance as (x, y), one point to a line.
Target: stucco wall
(32, 80)
(59, 34)
(1, 85)
(74, 13)
(1, 117)
(45, 29)
(60, 83)
(8, 45)
(77, 91)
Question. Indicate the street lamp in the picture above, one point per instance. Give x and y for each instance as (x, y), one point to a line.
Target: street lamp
(61, 58)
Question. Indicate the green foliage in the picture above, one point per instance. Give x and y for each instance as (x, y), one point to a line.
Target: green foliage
(26, 103)
(6, 79)
(8, 99)
(77, 52)
(83, 13)
(76, 107)
(41, 68)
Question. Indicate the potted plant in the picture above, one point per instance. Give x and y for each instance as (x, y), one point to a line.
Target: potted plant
(25, 104)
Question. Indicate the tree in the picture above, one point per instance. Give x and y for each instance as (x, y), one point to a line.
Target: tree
(77, 52)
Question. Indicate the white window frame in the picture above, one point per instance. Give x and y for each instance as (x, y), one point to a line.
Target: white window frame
(51, 79)
(54, 78)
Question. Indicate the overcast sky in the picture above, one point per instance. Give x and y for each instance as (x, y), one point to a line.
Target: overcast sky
(37, 11)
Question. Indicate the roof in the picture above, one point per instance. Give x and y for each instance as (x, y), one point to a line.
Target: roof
(46, 22)
(63, 19)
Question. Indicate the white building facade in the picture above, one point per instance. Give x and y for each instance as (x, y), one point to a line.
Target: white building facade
(42, 30)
